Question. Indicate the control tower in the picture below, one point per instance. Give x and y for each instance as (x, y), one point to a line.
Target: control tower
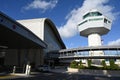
(93, 26)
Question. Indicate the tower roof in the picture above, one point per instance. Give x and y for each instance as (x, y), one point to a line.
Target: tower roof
(92, 10)
(91, 13)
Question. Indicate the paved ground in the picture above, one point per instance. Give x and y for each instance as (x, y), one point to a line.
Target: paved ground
(57, 74)
(60, 76)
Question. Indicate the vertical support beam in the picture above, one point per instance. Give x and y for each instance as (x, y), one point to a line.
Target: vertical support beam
(19, 57)
(26, 56)
(117, 52)
(60, 54)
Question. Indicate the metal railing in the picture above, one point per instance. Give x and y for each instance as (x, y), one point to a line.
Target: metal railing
(83, 52)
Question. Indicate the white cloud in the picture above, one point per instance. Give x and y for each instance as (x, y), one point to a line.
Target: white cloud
(41, 4)
(75, 16)
(116, 42)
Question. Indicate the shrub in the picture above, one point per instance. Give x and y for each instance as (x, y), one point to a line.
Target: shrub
(104, 64)
(74, 64)
(80, 66)
(116, 67)
(112, 63)
(113, 66)
(89, 63)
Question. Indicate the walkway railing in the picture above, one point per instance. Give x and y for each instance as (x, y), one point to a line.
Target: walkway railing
(83, 53)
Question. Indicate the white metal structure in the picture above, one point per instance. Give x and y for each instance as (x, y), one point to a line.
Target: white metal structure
(45, 29)
(93, 26)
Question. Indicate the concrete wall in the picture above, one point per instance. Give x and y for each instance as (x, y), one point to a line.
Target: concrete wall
(95, 72)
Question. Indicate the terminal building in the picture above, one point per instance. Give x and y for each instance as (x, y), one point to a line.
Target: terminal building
(27, 41)
(37, 41)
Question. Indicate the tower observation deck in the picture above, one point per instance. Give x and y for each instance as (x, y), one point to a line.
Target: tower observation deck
(94, 22)
(93, 26)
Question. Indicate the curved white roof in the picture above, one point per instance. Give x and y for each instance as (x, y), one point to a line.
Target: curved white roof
(42, 22)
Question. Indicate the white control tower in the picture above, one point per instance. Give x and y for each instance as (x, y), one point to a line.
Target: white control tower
(93, 26)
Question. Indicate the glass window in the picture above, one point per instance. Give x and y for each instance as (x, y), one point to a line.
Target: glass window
(92, 14)
(99, 14)
(95, 19)
(105, 20)
(95, 14)
(87, 15)
(82, 22)
(109, 22)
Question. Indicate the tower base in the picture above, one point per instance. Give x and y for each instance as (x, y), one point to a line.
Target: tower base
(96, 53)
(94, 40)
(97, 61)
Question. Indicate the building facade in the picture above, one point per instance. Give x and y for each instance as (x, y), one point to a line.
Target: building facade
(27, 41)
(45, 29)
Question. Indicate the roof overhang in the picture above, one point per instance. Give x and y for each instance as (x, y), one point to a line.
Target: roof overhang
(14, 35)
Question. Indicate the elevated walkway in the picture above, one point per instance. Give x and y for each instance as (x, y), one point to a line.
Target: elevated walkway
(111, 52)
(91, 57)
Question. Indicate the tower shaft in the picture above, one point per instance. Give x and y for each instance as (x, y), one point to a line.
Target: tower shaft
(94, 40)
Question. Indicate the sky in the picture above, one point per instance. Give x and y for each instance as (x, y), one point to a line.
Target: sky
(66, 15)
